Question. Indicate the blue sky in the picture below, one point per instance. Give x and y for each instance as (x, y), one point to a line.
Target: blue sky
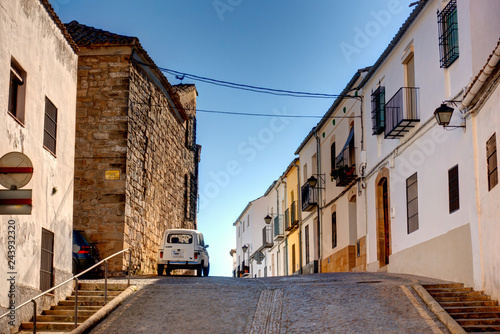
(312, 46)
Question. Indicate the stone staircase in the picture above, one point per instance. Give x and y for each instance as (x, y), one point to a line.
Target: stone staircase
(473, 310)
(61, 318)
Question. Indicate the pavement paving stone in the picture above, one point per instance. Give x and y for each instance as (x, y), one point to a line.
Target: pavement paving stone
(341, 303)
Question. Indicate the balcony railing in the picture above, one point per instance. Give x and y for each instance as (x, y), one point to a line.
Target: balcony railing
(401, 112)
(279, 229)
(294, 218)
(345, 165)
(288, 225)
(309, 197)
(267, 236)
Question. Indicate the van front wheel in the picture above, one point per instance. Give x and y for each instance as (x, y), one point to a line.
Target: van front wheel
(206, 270)
(160, 269)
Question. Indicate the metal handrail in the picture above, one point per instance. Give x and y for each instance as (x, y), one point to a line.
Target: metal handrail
(75, 278)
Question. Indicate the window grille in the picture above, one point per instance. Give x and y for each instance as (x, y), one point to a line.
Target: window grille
(47, 260)
(448, 34)
(453, 189)
(378, 110)
(50, 126)
(412, 203)
(491, 156)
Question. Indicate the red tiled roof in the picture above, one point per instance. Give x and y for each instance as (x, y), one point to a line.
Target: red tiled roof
(482, 70)
(84, 36)
(89, 36)
(60, 25)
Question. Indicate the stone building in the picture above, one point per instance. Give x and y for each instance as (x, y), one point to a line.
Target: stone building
(38, 78)
(136, 164)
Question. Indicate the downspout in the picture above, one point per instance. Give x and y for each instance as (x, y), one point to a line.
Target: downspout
(299, 212)
(278, 213)
(318, 169)
(286, 238)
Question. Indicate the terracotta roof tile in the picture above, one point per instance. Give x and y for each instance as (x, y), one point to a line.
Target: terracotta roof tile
(482, 70)
(84, 36)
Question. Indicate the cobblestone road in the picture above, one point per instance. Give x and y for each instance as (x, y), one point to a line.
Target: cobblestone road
(322, 303)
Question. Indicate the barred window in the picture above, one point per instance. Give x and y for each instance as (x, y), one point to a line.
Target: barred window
(448, 34)
(191, 134)
(491, 159)
(50, 127)
(412, 203)
(453, 189)
(334, 230)
(378, 110)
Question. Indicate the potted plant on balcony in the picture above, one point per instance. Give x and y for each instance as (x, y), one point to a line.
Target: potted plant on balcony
(339, 171)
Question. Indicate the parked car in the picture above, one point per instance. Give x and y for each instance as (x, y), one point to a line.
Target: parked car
(183, 249)
(84, 253)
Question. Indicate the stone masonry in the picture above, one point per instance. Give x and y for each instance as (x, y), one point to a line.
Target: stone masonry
(136, 167)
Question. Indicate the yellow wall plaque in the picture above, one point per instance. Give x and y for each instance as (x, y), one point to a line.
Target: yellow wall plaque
(112, 175)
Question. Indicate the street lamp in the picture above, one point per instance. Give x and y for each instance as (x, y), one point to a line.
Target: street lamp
(312, 181)
(244, 248)
(443, 116)
(268, 219)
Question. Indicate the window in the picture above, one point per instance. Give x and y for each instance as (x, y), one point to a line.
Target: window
(47, 260)
(17, 91)
(491, 156)
(333, 155)
(448, 34)
(180, 239)
(50, 127)
(378, 110)
(334, 230)
(453, 190)
(293, 258)
(248, 220)
(412, 203)
(307, 243)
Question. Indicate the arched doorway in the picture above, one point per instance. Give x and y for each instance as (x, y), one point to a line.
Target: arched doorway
(383, 218)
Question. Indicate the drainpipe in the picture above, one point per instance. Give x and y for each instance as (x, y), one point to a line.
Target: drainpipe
(299, 213)
(318, 169)
(286, 238)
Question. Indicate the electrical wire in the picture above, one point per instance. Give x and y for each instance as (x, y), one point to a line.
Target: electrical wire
(256, 89)
(234, 113)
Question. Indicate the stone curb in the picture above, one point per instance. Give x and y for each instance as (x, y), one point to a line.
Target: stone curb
(103, 312)
(434, 306)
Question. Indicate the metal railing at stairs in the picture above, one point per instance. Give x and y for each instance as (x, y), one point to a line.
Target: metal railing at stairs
(75, 278)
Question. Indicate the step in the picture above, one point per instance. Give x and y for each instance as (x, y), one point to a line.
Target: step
(463, 289)
(81, 303)
(443, 286)
(477, 315)
(479, 322)
(96, 293)
(61, 317)
(468, 304)
(482, 329)
(44, 331)
(60, 326)
(100, 286)
(89, 298)
(80, 308)
(83, 313)
(463, 299)
(455, 293)
(472, 309)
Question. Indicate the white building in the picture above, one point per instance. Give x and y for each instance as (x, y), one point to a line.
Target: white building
(37, 118)
(333, 155)
(481, 104)
(421, 212)
(254, 237)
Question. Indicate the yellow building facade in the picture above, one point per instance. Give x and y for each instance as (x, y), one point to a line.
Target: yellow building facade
(292, 217)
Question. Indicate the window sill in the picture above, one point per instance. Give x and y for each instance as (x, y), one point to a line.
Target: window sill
(16, 119)
(53, 154)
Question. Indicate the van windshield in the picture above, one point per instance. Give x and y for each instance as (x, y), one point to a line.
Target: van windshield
(180, 239)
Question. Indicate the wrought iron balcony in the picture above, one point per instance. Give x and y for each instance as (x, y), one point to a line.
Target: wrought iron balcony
(279, 229)
(345, 164)
(294, 218)
(267, 236)
(288, 225)
(401, 112)
(309, 197)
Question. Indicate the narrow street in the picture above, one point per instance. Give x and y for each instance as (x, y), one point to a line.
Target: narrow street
(321, 303)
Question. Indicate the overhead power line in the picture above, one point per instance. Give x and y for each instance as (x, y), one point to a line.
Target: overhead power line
(245, 87)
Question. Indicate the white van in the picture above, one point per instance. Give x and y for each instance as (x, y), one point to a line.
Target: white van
(183, 249)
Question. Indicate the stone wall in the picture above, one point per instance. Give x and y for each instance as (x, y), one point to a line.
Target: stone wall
(134, 169)
(158, 162)
(101, 146)
(341, 261)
